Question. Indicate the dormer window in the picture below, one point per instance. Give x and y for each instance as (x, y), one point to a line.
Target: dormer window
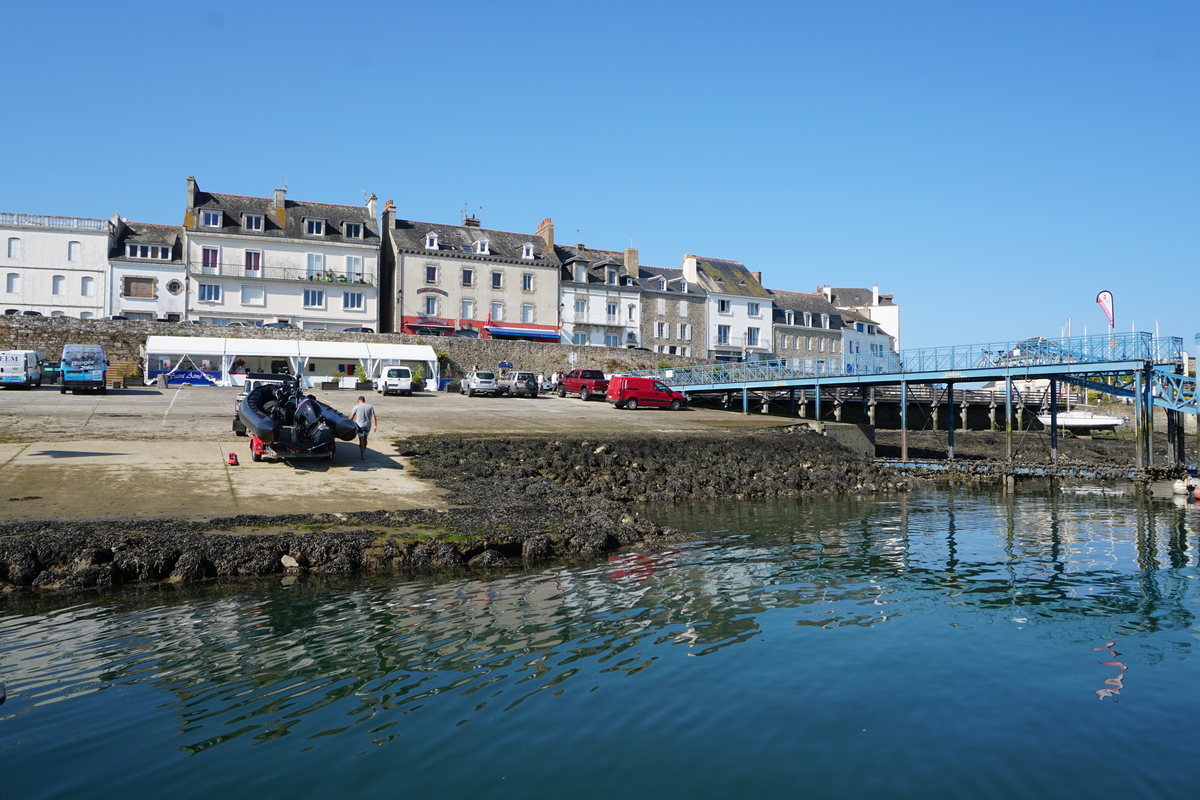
(824, 320)
(662, 284)
(790, 317)
(807, 319)
(211, 219)
(431, 241)
(481, 247)
(612, 277)
(160, 252)
(353, 230)
(314, 227)
(252, 222)
(581, 274)
(527, 250)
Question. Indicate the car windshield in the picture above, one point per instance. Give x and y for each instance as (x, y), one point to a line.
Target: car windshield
(486, 376)
(398, 373)
(525, 376)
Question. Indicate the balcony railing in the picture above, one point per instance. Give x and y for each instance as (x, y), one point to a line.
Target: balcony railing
(235, 270)
(43, 221)
(742, 341)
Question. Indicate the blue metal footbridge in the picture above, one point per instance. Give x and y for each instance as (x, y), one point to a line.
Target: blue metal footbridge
(1146, 369)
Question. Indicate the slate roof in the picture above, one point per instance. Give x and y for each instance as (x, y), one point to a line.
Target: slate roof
(648, 280)
(293, 222)
(857, 297)
(598, 262)
(460, 241)
(148, 233)
(813, 303)
(728, 277)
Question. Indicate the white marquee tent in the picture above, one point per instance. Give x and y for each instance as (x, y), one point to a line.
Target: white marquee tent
(204, 359)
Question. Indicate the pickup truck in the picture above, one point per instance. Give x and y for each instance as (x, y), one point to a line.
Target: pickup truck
(587, 383)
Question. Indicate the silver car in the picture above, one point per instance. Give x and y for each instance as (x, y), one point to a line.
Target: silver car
(478, 381)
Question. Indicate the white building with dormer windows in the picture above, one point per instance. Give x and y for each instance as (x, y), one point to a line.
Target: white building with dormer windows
(740, 310)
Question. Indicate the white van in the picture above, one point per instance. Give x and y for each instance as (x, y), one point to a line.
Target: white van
(395, 380)
(21, 368)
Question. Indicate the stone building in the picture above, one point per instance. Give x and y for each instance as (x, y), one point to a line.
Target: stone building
(806, 326)
(673, 313)
(879, 308)
(465, 279)
(55, 266)
(256, 260)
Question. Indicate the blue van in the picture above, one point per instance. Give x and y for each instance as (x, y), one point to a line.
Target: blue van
(83, 367)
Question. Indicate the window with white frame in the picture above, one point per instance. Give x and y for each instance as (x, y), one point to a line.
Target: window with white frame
(497, 280)
(527, 312)
(611, 277)
(684, 332)
(14, 247)
(610, 310)
(211, 219)
(722, 334)
(208, 292)
(662, 284)
(581, 273)
(354, 270)
(752, 337)
(58, 284)
(314, 227)
(316, 265)
(497, 311)
(314, 298)
(87, 286)
(808, 319)
(254, 295)
(660, 330)
(253, 262)
(724, 306)
(581, 306)
(632, 312)
(612, 340)
(820, 345)
(210, 259)
(579, 337)
(683, 308)
(353, 230)
(468, 277)
(527, 251)
(824, 320)
(12, 283)
(160, 252)
(752, 309)
(431, 274)
(468, 309)
(352, 301)
(431, 241)
(808, 343)
(661, 305)
(788, 317)
(481, 247)
(73, 251)
(431, 305)
(527, 282)
(252, 222)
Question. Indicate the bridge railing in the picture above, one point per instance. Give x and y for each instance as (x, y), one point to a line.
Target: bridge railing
(1037, 351)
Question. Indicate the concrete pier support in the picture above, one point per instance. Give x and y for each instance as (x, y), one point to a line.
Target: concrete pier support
(1139, 424)
(1053, 421)
(904, 420)
(950, 421)
(1008, 415)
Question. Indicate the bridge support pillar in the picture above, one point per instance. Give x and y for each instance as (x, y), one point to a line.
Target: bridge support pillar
(871, 403)
(1008, 415)
(1053, 421)
(745, 400)
(792, 402)
(904, 420)
(992, 413)
(1139, 423)
(1148, 415)
(837, 404)
(817, 401)
(804, 402)
(950, 421)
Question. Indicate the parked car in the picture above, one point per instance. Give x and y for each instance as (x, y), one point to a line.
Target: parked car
(359, 329)
(21, 368)
(284, 325)
(481, 381)
(39, 314)
(515, 383)
(395, 380)
(632, 393)
(587, 383)
(84, 366)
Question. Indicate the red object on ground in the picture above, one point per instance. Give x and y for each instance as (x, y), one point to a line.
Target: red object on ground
(233, 462)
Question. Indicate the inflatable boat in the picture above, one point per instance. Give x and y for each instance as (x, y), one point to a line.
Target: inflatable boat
(283, 422)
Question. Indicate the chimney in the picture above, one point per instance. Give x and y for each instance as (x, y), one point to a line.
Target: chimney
(690, 271)
(280, 199)
(371, 206)
(389, 217)
(631, 261)
(827, 290)
(191, 192)
(471, 222)
(757, 276)
(875, 295)
(545, 232)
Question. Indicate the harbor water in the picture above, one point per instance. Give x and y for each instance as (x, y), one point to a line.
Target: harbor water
(948, 643)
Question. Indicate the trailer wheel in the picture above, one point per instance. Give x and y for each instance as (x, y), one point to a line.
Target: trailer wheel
(255, 456)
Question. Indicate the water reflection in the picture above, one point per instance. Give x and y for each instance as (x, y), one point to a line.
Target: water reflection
(312, 659)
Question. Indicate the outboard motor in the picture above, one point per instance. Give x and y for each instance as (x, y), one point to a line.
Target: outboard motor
(308, 420)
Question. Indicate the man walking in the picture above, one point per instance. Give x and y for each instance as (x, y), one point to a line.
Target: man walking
(363, 415)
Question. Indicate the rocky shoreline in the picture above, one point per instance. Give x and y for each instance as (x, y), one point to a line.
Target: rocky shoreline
(514, 500)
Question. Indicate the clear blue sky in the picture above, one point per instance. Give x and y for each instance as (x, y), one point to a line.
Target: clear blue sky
(993, 165)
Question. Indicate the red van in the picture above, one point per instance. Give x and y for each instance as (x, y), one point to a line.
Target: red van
(627, 392)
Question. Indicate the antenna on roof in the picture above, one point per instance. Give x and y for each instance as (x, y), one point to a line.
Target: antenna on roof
(285, 185)
(366, 197)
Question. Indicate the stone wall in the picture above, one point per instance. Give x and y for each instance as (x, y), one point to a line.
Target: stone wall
(123, 340)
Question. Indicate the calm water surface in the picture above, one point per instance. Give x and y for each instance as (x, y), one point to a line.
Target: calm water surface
(944, 644)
